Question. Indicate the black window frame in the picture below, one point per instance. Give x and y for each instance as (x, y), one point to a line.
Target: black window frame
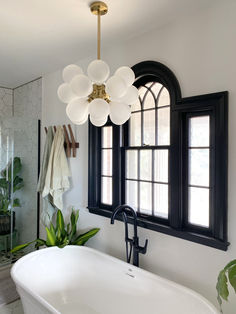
(215, 104)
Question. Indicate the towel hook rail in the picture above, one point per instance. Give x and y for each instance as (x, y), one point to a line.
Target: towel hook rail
(70, 142)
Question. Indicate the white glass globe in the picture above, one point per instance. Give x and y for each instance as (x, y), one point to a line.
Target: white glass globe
(127, 74)
(70, 71)
(79, 122)
(98, 122)
(65, 93)
(119, 112)
(77, 110)
(116, 87)
(98, 71)
(131, 96)
(99, 109)
(81, 85)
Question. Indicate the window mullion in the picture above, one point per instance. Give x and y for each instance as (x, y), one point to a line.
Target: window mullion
(117, 170)
(175, 191)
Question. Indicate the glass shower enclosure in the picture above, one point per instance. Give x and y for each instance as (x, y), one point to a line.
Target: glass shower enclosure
(8, 232)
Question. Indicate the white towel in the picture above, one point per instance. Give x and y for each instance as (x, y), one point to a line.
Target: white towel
(58, 173)
(48, 208)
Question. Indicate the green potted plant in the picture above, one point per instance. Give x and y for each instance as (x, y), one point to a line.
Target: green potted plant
(61, 235)
(226, 277)
(9, 181)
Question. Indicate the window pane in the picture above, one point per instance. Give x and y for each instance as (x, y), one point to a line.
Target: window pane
(156, 88)
(146, 164)
(135, 129)
(132, 164)
(199, 131)
(149, 101)
(132, 193)
(107, 137)
(163, 126)
(161, 165)
(161, 200)
(107, 190)
(199, 167)
(164, 98)
(145, 198)
(199, 206)
(107, 162)
(142, 91)
(149, 127)
(136, 106)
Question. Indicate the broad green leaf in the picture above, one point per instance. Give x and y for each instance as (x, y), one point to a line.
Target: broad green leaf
(16, 166)
(222, 285)
(51, 239)
(83, 238)
(232, 276)
(17, 184)
(232, 263)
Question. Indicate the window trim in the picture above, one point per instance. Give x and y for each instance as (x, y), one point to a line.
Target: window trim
(217, 104)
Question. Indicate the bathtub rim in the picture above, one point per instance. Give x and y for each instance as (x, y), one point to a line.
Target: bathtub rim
(149, 274)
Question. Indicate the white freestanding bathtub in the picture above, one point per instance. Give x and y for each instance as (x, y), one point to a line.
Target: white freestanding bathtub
(80, 280)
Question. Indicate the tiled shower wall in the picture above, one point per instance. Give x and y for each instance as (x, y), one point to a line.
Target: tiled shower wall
(20, 110)
(6, 102)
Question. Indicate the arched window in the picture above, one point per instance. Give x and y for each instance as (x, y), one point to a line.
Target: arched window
(168, 162)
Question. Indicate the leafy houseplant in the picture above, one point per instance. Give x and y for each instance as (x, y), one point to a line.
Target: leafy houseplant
(226, 276)
(9, 180)
(60, 236)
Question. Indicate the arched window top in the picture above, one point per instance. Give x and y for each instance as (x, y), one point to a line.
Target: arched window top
(147, 72)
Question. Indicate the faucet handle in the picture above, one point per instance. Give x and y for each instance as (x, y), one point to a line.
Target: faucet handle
(143, 249)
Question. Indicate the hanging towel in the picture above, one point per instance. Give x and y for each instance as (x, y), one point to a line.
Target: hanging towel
(48, 208)
(58, 173)
(46, 155)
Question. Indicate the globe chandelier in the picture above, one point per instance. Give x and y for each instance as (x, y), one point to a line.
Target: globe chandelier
(95, 95)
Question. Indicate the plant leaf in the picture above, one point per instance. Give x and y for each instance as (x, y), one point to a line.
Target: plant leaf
(51, 239)
(232, 276)
(232, 263)
(68, 228)
(76, 216)
(73, 225)
(16, 202)
(222, 286)
(17, 184)
(3, 183)
(60, 226)
(21, 247)
(83, 238)
(40, 242)
(16, 166)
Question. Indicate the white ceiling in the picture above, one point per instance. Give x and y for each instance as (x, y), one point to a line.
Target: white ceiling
(40, 36)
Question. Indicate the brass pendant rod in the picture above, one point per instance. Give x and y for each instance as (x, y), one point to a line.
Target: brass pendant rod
(99, 36)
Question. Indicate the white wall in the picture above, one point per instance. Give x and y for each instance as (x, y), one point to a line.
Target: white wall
(201, 51)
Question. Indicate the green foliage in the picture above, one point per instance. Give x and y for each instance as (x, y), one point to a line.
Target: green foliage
(226, 276)
(60, 235)
(8, 181)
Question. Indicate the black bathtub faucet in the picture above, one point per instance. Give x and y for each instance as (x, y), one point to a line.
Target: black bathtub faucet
(124, 211)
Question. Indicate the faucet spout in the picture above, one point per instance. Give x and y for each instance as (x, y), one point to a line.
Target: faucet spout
(134, 243)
